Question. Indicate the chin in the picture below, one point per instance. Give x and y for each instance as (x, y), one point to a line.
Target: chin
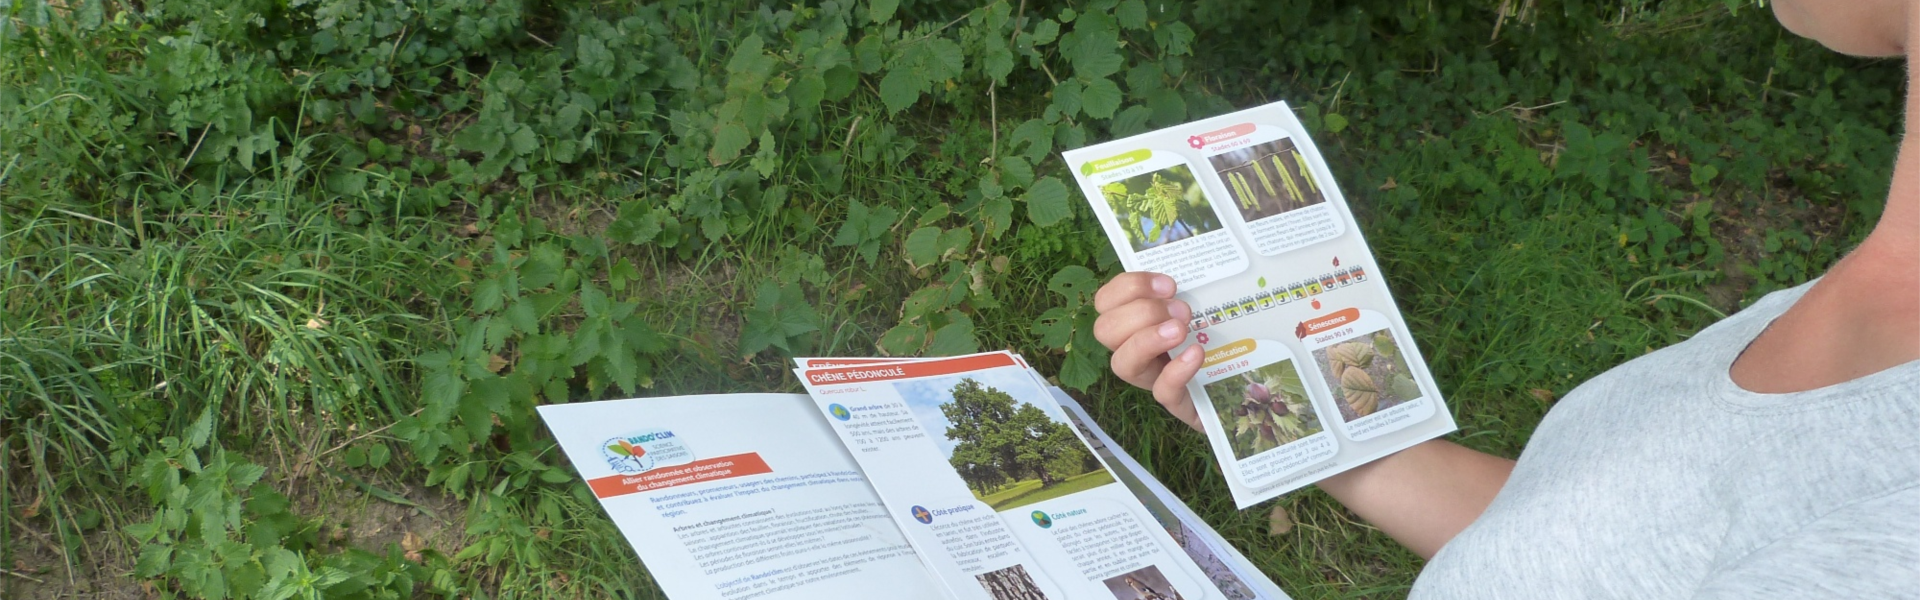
(1856, 27)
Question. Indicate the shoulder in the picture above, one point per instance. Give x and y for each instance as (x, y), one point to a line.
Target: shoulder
(1866, 549)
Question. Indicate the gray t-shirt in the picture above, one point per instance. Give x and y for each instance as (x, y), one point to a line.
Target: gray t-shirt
(1663, 479)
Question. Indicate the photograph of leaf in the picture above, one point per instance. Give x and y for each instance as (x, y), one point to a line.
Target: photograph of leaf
(1263, 409)
(1009, 452)
(1160, 207)
(1367, 375)
(1267, 179)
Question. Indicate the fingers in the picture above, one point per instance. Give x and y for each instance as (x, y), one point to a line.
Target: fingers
(1115, 326)
(1140, 356)
(1171, 387)
(1127, 287)
(1140, 321)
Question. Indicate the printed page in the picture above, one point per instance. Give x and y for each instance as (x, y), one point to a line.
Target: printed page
(739, 497)
(1000, 495)
(1232, 573)
(1309, 368)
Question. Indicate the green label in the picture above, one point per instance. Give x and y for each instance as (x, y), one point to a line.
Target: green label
(1114, 162)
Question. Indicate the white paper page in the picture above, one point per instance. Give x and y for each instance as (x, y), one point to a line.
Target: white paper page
(739, 497)
(1230, 571)
(992, 537)
(1309, 368)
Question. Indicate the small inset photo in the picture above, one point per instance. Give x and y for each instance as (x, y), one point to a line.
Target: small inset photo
(1011, 583)
(1160, 207)
(1264, 408)
(1143, 584)
(1267, 179)
(1367, 374)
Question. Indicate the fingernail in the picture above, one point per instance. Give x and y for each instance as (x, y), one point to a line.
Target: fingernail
(1191, 354)
(1163, 285)
(1170, 330)
(1180, 310)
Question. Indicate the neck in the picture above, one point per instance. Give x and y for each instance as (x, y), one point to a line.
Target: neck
(1896, 237)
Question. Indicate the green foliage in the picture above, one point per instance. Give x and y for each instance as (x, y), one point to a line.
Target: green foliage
(371, 236)
(219, 532)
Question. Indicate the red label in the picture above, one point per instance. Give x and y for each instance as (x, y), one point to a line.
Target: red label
(699, 471)
(839, 375)
(1319, 324)
(1220, 135)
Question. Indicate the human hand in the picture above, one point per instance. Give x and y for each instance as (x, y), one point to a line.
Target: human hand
(1140, 321)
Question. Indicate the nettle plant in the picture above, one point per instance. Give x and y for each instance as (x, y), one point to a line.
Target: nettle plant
(829, 128)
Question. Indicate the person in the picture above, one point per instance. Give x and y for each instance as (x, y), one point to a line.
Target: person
(1775, 454)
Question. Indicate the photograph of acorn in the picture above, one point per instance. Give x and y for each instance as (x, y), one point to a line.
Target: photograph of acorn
(1367, 375)
(1267, 179)
(1264, 408)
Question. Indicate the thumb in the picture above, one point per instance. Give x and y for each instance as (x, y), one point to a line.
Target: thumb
(1170, 389)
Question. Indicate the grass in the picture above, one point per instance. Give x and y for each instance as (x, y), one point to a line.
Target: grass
(284, 249)
(1029, 491)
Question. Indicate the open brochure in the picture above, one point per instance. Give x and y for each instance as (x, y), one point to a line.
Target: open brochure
(856, 494)
(1309, 368)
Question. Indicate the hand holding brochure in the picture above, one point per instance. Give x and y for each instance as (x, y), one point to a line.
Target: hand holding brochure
(1301, 334)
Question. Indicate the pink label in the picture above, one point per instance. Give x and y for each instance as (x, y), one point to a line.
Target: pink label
(1219, 135)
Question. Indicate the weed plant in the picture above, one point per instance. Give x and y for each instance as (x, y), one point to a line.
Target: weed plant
(281, 282)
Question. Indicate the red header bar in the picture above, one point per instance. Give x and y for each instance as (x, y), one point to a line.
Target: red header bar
(909, 370)
(699, 471)
(830, 362)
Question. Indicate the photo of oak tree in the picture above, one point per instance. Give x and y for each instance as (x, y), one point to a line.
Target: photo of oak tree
(1264, 408)
(1367, 375)
(1160, 207)
(1267, 179)
(1011, 583)
(1011, 453)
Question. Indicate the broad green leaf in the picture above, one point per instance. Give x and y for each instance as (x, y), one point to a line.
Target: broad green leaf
(1130, 121)
(905, 339)
(1073, 282)
(1047, 202)
(1168, 107)
(946, 59)
(880, 11)
(524, 141)
(1335, 123)
(1101, 98)
(1068, 98)
(487, 295)
(955, 338)
(729, 140)
(1016, 171)
(1037, 136)
(922, 246)
(997, 214)
(1131, 14)
(955, 241)
(201, 430)
(484, 138)
(900, 89)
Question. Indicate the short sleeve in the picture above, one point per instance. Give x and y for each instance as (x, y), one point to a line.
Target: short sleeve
(1870, 549)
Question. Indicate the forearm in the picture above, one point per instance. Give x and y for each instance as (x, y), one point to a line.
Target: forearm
(1423, 495)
